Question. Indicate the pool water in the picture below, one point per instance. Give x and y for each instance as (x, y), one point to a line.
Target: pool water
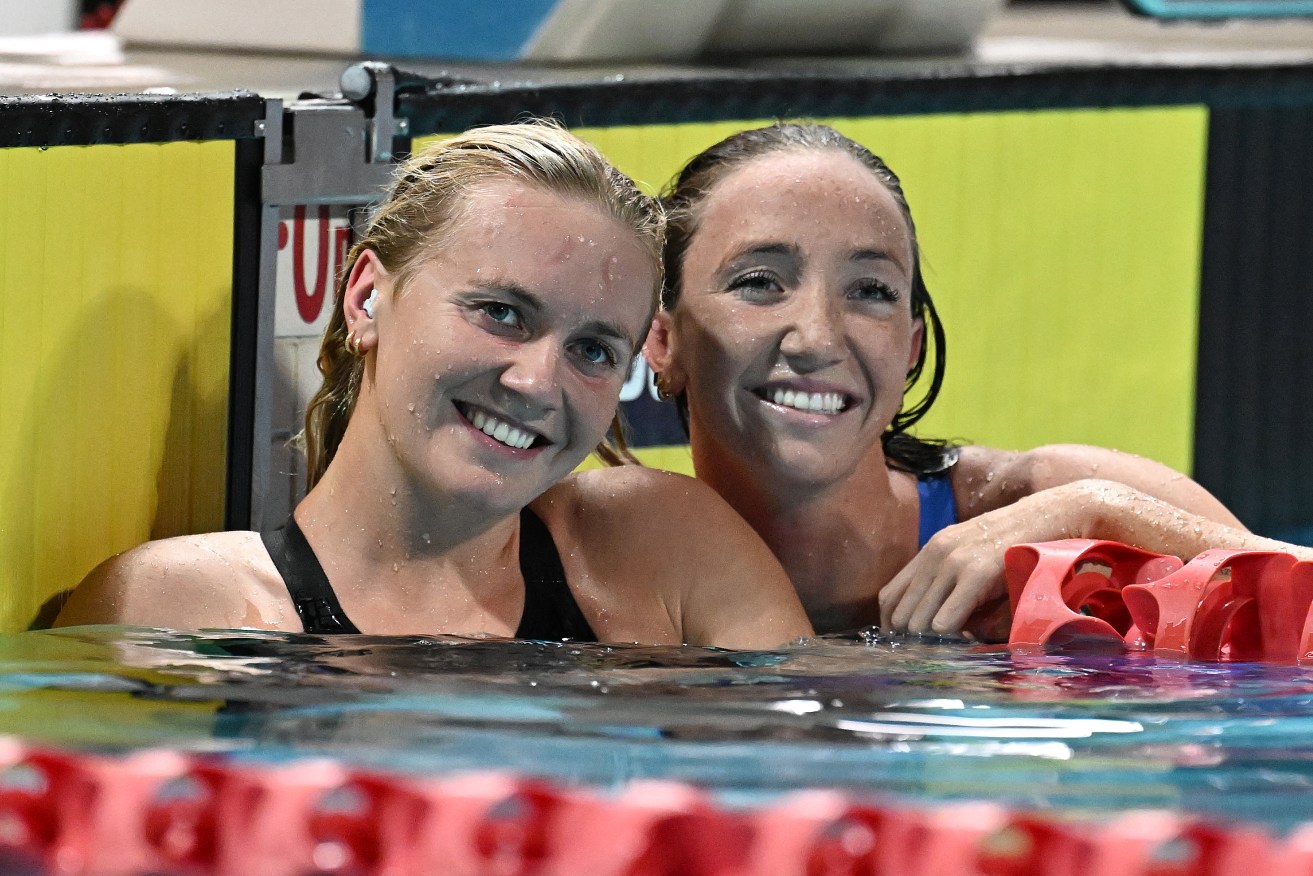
(916, 719)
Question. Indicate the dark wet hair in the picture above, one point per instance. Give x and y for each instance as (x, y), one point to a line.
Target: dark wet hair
(684, 196)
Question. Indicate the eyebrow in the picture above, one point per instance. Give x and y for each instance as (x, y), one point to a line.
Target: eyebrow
(606, 329)
(522, 295)
(788, 249)
(860, 254)
(871, 255)
(534, 302)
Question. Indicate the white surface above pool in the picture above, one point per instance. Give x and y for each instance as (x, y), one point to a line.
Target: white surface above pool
(559, 30)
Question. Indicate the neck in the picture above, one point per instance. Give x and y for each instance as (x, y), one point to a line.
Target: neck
(373, 525)
(839, 541)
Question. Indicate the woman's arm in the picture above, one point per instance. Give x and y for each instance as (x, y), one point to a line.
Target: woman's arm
(189, 582)
(679, 551)
(1063, 491)
(988, 479)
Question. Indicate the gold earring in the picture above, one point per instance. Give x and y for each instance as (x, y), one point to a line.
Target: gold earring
(663, 387)
(353, 344)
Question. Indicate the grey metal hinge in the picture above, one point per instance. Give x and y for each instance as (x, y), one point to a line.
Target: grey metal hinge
(337, 153)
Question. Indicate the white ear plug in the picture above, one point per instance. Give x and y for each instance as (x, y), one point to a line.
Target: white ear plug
(368, 306)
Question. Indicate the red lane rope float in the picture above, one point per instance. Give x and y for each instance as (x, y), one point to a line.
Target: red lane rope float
(1221, 605)
(1254, 606)
(160, 812)
(1069, 592)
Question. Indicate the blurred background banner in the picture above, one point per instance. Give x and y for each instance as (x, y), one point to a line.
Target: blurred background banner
(558, 30)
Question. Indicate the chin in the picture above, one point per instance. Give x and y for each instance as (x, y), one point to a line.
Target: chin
(808, 466)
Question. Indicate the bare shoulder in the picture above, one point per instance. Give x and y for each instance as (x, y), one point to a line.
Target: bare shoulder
(619, 488)
(649, 505)
(658, 543)
(221, 580)
(645, 508)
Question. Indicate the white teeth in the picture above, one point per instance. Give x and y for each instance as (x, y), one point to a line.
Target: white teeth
(815, 402)
(503, 432)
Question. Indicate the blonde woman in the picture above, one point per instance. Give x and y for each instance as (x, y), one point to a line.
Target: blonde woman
(481, 336)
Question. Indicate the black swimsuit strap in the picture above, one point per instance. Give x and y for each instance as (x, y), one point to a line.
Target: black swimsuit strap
(306, 582)
(550, 610)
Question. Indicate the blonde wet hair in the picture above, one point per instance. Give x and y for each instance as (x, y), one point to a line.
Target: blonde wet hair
(424, 201)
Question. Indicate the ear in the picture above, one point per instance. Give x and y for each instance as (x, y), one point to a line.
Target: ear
(659, 351)
(367, 275)
(918, 338)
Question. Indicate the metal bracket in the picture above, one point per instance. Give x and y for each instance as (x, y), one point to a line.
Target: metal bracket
(333, 157)
(341, 148)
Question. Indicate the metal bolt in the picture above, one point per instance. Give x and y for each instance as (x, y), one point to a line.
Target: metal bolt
(259, 127)
(403, 126)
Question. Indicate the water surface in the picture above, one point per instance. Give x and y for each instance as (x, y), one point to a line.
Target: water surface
(901, 716)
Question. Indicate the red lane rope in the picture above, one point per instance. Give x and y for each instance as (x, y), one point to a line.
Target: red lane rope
(162, 812)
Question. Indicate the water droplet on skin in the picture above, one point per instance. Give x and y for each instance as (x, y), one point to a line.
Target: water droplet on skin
(411, 407)
(396, 567)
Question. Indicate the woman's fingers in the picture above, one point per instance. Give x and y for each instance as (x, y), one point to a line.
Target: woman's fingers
(980, 583)
(958, 572)
(892, 594)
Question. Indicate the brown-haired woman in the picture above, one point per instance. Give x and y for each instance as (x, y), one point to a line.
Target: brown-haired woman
(795, 320)
(475, 357)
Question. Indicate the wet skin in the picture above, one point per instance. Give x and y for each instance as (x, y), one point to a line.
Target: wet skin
(492, 365)
(797, 281)
(526, 317)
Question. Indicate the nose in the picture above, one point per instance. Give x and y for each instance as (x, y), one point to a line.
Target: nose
(813, 337)
(532, 375)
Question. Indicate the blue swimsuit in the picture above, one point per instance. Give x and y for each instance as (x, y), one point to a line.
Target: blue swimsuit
(938, 507)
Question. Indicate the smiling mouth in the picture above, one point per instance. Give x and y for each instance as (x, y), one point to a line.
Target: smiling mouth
(515, 437)
(808, 402)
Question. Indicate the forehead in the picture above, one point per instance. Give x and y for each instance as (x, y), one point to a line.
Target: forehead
(792, 195)
(570, 252)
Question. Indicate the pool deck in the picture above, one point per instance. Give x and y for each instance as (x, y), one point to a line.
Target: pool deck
(1022, 36)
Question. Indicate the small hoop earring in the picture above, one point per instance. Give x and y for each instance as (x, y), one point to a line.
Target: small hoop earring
(663, 387)
(353, 344)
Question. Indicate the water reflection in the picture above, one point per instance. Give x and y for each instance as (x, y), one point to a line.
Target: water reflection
(893, 715)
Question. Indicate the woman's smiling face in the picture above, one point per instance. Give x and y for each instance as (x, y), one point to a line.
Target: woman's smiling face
(793, 334)
(499, 365)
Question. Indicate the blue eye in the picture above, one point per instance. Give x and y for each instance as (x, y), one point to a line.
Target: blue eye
(597, 353)
(501, 314)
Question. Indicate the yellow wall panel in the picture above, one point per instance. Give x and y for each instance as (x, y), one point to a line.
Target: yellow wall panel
(115, 302)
